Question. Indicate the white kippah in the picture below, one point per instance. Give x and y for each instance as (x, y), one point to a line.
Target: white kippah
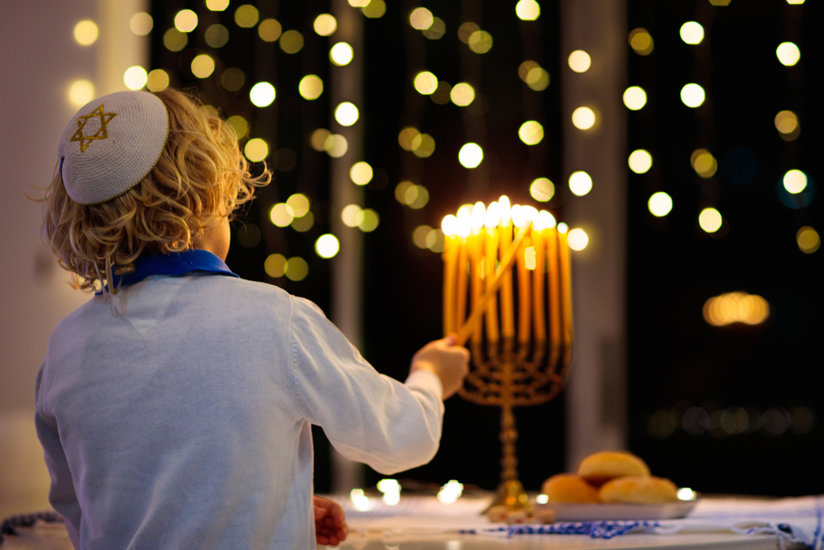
(110, 145)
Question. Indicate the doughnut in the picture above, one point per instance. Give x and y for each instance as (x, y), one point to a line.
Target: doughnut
(600, 467)
(569, 488)
(638, 490)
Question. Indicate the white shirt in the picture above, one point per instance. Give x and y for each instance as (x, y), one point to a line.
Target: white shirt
(178, 415)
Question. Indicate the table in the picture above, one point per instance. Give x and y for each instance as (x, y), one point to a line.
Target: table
(727, 523)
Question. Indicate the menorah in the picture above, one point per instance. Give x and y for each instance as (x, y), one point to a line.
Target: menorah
(507, 290)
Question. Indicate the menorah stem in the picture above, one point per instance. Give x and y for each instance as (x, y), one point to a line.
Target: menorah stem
(510, 491)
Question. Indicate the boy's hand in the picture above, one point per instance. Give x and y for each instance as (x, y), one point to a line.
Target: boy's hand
(330, 523)
(444, 358)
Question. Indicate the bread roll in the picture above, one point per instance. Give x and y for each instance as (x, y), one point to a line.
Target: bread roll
(569, 488)
(638, 490)
(600, 467)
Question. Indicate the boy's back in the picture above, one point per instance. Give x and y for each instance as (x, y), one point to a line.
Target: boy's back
(182, 414)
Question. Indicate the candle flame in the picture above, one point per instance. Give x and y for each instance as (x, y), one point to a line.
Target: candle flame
(544, 220)
(493, 215)
(523, 215)
(505, 210)
(563, 228)
(449, 225)
(478, 216)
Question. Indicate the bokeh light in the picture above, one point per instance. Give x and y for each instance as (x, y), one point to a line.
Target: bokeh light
(346, 113)
(788, 54)
(470, 155)
(692, 32)
(262, 94)
(531, 132)
(807, 239)
(480, 41)
(325, 24)
(80, 92)
(786, 122)
(659, 204)
(256, 149)
(527, 10)
(579, 61)
(203, 65)
(578, 239)
(86, 32)
(141, 23)
(217, 5)
(421, 19)
(246, 16)
(640, 40)
(157, 80)
(361, 173)
(291, 41)
(736, 307)
(341, 54)
(185, 20)
(580, 183)
(310, 87)
(462, 94)
(710, 220)
(542, 189)
(794, 181)
(704, 163)
(583, 118)
(425, 83)
(693, 95)
(640, 161)
(327, 246)
(135, 77)
(635, 98)
(270, 30)
(216, 35)
(281, 214)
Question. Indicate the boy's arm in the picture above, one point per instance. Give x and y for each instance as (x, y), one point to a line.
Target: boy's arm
(367, 416)
(61, 495)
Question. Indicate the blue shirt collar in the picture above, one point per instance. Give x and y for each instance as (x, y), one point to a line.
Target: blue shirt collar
(174, 264)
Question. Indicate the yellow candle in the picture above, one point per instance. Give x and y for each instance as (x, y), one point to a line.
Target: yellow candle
(490, 261)
(523, 293)
(462, 281)
(476, 277)
(450, 255)
(566, 286)
(538, 243)
(554, 283)
(507, 299)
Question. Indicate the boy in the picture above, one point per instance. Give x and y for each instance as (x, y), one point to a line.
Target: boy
(174, 408)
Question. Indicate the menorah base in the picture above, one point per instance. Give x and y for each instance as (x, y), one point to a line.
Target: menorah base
(511, 495)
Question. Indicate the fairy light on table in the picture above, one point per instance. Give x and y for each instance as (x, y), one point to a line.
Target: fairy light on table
(507, 291)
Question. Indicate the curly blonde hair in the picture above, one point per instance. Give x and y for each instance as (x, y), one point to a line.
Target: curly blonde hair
(200, 178)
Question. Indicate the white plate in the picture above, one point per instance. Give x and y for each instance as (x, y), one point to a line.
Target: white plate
(583, 512)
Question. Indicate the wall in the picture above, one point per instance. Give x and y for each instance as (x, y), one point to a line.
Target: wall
(40, 59)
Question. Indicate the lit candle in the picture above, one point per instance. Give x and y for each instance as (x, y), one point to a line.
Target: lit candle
(464, 227)
(566, 286)
(507, 299)
(490, 264)
(476, 240)
(521, 216)
(450, 255)
(543, 222)
(554, 296)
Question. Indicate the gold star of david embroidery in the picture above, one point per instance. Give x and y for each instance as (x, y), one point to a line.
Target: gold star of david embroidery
(101, 133)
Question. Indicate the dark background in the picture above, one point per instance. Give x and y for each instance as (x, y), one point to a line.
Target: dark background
(686, 379)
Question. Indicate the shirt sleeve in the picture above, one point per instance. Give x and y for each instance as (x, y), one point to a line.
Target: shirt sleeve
(367, 416)
(61, 494)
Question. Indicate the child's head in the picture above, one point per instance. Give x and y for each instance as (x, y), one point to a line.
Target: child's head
(141, 172)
